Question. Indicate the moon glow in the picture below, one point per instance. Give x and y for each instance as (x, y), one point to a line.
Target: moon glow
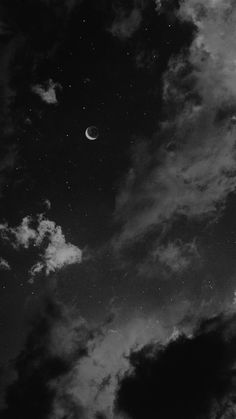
(92, 133)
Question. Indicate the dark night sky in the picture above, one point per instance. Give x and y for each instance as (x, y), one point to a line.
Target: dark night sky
(135, 231)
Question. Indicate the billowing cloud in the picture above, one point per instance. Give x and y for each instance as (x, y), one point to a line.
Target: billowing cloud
(48, 92)
(56, 252)
(190, 377)
(188, 168)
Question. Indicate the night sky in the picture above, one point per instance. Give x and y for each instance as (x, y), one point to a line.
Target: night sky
(117, 213)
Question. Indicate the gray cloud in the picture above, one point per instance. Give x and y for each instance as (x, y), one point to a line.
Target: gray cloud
(69, 368)
(176, 256)
(192, 172)
(48, 92)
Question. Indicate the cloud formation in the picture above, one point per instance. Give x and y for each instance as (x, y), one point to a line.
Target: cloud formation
(48, 92)
(188, 168)
(142, 368)
(69, 368)
(176, 256)
(44, 234)
(190, 377)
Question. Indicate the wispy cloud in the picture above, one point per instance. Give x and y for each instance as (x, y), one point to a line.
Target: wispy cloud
(176, 256)
(47, 92)
(188, 169)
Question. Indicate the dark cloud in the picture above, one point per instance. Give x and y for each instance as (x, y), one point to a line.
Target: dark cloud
(31, 395)
(191, 377)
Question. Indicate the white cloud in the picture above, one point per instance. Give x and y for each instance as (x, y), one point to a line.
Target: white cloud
(56, 252)
(24, 234)
(47, 93)
(4, 265)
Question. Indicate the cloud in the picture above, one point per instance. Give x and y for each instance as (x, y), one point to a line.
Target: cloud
(47, 204)
(93, 381)
(125, 25)
(58, 253)
(164, 259)
(69, 367)
(188, 167)
(42, 233)
(30, 394)
(176, 256)
(48, 92)
(4, 265)
(190, 377)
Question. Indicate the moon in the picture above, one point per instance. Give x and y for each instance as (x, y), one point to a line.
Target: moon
(92, 133)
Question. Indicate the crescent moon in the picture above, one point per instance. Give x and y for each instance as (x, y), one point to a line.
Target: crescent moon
(89, 136)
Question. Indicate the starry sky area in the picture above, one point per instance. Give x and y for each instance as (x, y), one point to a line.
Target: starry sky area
(103, 85)
(151, 202)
